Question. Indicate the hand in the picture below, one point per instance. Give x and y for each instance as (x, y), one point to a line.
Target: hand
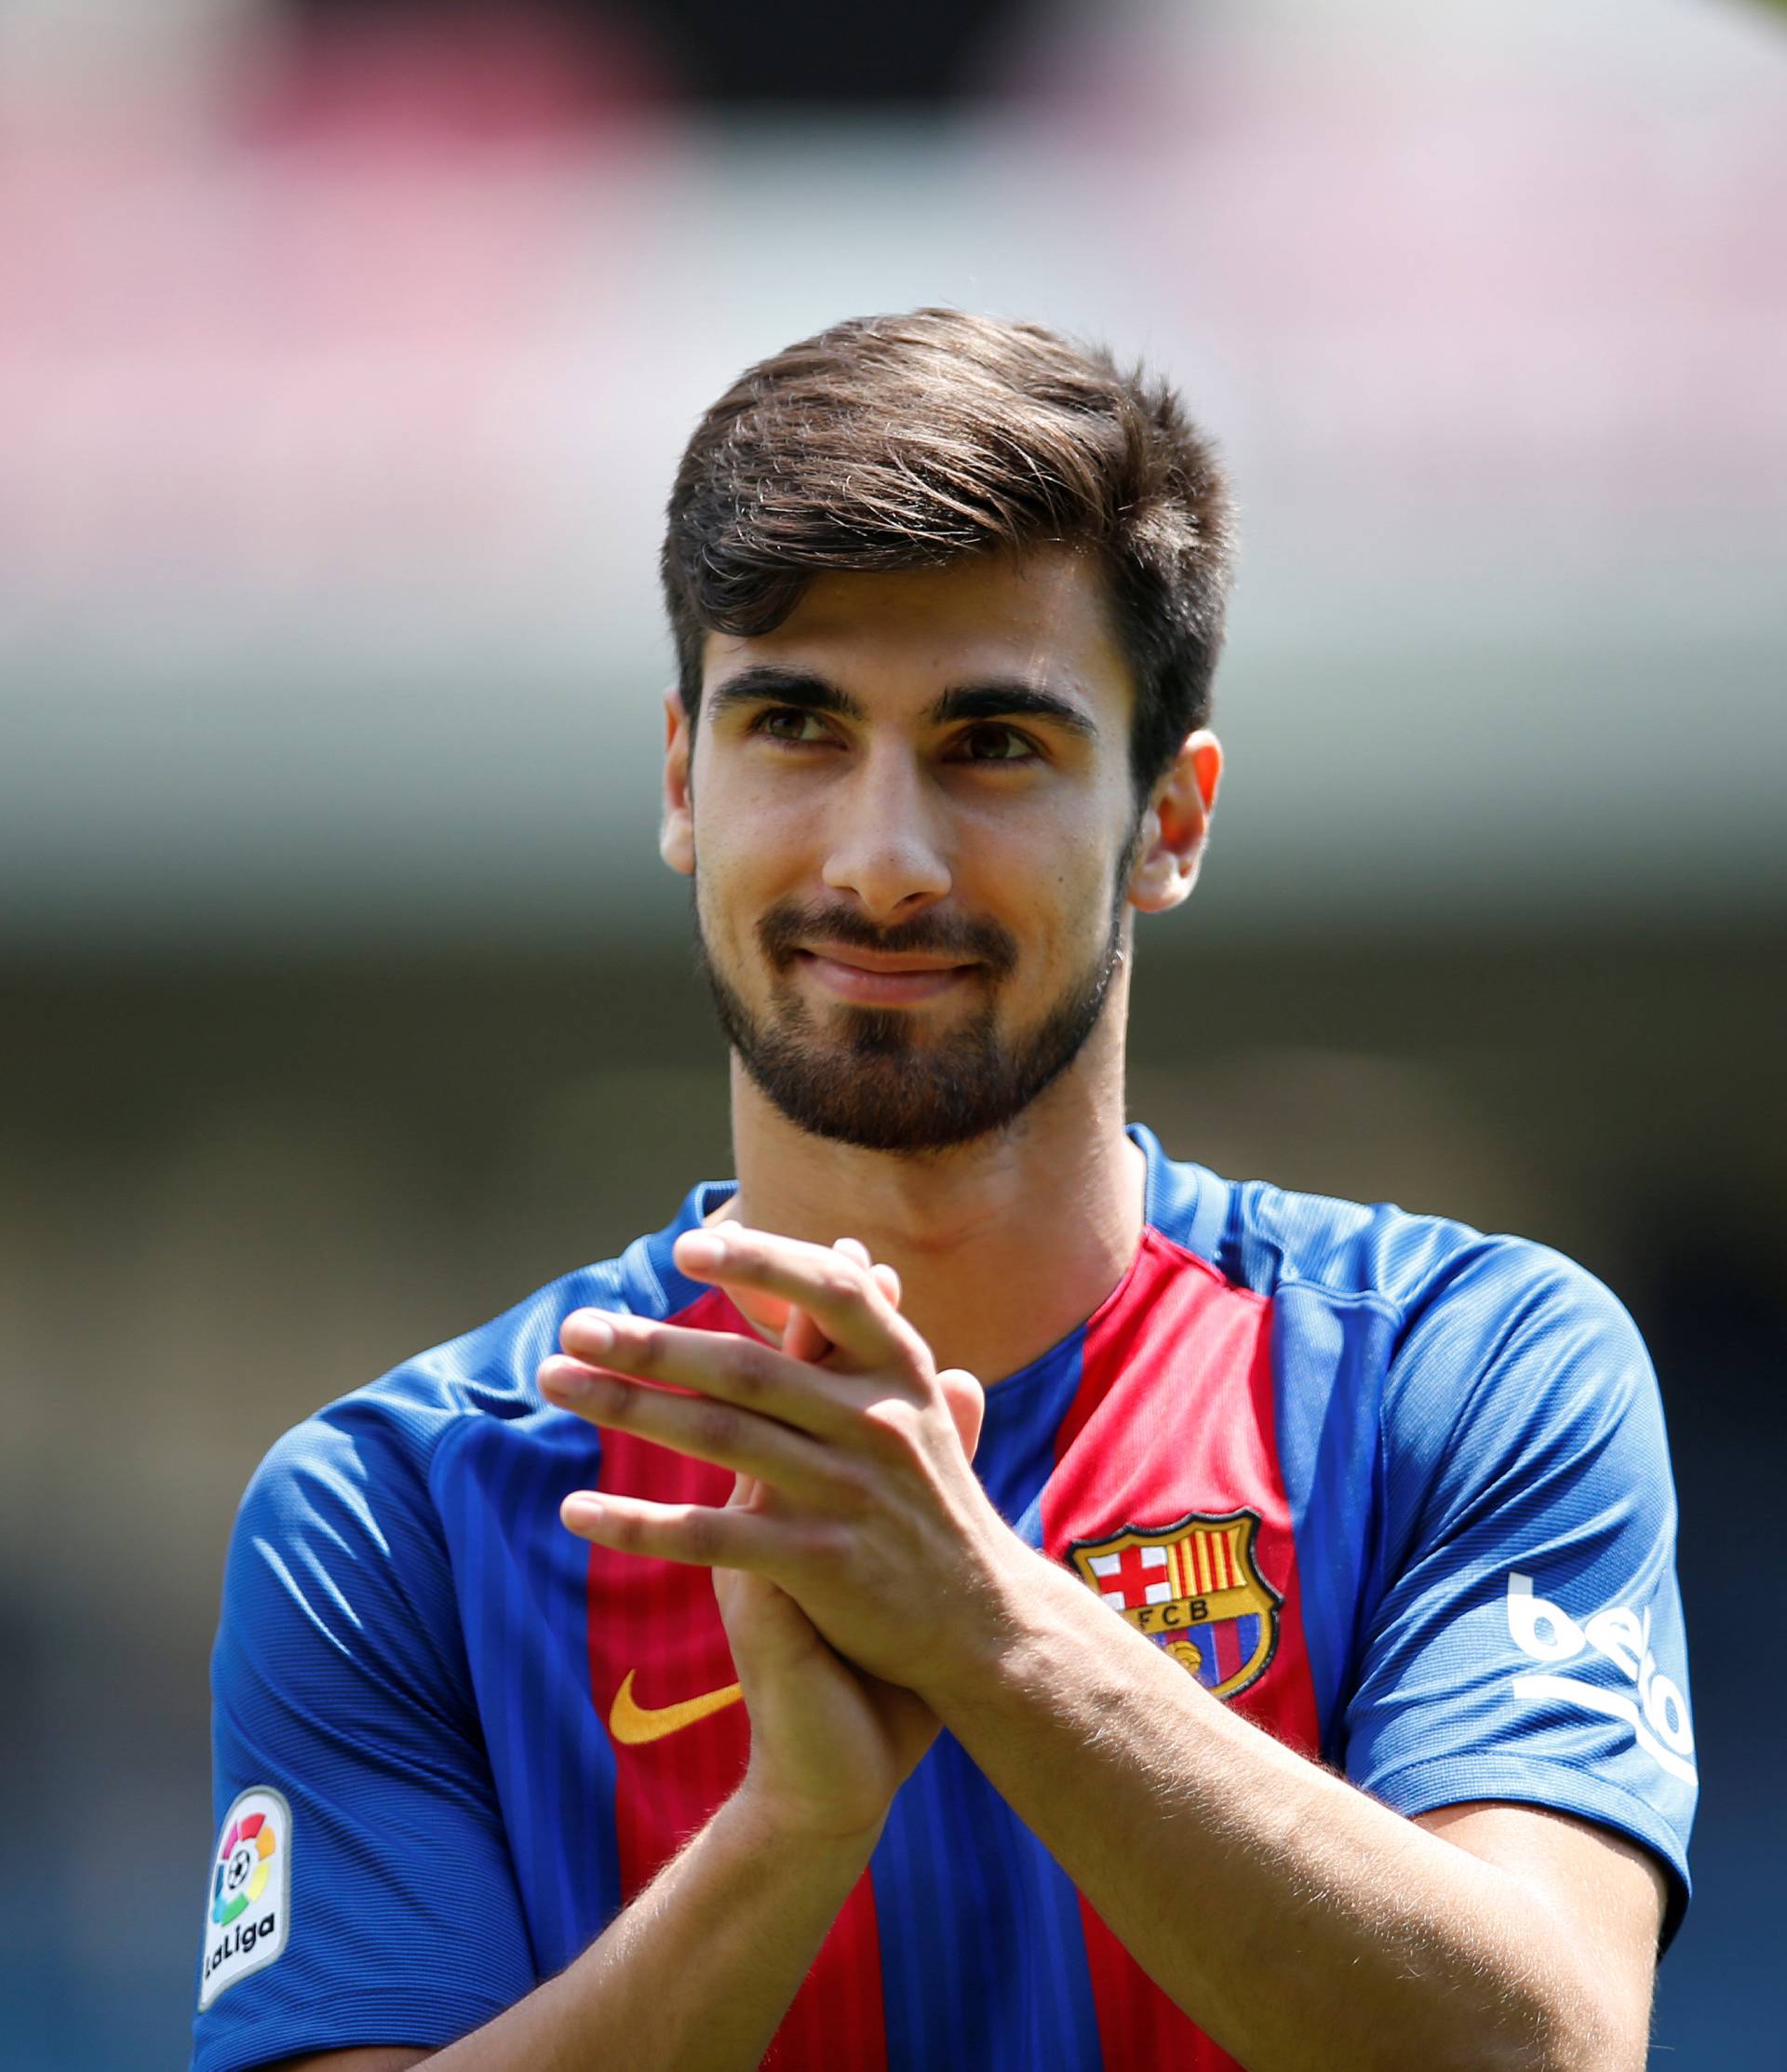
(861, 1506)
(829, 1744)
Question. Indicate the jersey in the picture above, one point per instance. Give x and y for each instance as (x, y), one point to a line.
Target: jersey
(1396, 1491)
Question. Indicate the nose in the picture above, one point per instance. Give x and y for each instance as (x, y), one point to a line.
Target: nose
(888, 844)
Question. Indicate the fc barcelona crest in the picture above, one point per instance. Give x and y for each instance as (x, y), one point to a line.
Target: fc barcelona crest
(1195, 1589)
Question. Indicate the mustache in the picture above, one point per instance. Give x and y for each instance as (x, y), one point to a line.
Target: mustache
(790, 927)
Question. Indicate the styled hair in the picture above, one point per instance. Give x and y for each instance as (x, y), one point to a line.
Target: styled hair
(907, 441)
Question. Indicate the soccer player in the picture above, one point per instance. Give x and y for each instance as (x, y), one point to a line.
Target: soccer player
(975, 1593)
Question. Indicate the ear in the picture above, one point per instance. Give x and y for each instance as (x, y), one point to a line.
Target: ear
(1176, 825)
(677, 829)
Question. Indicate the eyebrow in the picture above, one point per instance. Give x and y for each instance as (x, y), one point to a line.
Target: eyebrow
(765, 684)
(1007, 698)
(996, 698)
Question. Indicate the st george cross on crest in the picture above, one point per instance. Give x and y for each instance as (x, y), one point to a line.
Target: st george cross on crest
(1194, 1588)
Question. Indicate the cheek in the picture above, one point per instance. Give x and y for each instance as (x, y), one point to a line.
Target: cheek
(1078, 880)
(1060, 915)
(745, 831)
(737, 880)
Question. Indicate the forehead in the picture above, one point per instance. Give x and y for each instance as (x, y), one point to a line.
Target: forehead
(1042, 618)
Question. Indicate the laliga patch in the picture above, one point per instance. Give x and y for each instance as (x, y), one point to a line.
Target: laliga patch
(247, 1913)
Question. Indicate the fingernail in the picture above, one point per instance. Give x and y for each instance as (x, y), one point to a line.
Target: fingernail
(699, 1251)
(581, 1512)
(565, 1384)
(592, 1330)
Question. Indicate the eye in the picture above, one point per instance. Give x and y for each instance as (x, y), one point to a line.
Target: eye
(790, 723)
(992, 741)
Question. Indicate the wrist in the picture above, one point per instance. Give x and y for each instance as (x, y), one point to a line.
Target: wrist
(769, 1817)
(1022, 1599)
(1047, 1648)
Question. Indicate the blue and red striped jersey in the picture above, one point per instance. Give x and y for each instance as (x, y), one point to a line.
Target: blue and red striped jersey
(1396, 1491)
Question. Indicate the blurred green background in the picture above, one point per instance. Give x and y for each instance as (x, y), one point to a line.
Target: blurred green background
(344, 357)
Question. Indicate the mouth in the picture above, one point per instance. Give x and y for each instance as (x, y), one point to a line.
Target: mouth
(875, 978)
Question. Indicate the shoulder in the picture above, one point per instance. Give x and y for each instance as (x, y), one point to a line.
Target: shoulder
(1419, 1271)
(339, 1564)
(1457, 1297)
(385, 1439)
(1409, 1263)
(1516, 1405)
(347, 1504)
(1445, 1324)
(1473, 1443)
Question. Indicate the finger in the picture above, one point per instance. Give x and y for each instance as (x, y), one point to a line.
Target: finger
(802, 1339)
(840, 1293)
(722, 1365)
(967, 1401)
(692, 1533)
(698, 1426)
(767, 1315)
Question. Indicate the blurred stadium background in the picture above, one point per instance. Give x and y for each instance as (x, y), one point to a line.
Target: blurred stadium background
(345, 354)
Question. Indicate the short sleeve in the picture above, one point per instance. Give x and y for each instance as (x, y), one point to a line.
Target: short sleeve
(1524, 1639)
(361, 1889)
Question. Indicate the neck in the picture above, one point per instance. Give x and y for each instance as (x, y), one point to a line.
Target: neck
(1002, 1245)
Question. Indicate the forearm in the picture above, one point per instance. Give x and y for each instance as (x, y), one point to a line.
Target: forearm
(697, 1972)
(1298, 1922)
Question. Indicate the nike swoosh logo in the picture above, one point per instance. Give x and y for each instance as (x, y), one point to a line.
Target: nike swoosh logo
(632, 1723)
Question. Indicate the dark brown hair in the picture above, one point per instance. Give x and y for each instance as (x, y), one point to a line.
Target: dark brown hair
(903, 442)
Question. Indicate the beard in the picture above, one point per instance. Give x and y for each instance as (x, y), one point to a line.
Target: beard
(868, 1079)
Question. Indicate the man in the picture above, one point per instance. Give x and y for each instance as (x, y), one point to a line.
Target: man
(1279, 1663)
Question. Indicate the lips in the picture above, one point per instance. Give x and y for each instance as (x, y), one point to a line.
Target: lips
(915, 960)
(872, 979)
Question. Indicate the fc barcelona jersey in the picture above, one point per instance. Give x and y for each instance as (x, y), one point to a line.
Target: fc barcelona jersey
(1396, 1491)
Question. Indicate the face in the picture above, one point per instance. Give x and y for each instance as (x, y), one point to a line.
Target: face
(910, 819)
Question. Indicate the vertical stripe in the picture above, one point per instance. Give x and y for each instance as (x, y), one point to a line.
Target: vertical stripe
(520, 1807)
(983, 1949)
(983, 1958)
(1175, 1415)
(923, 1931)
(1206, 1646)
(547, 1564)
(840, 1998)
(530, 1805)
(1329, 1363)
(1247, 1636)
(658, 1621)
(519, 1578)
(570, 1752)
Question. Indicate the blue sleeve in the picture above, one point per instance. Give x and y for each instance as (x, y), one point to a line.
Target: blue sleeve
(361, 1889)
(1524, 1636)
